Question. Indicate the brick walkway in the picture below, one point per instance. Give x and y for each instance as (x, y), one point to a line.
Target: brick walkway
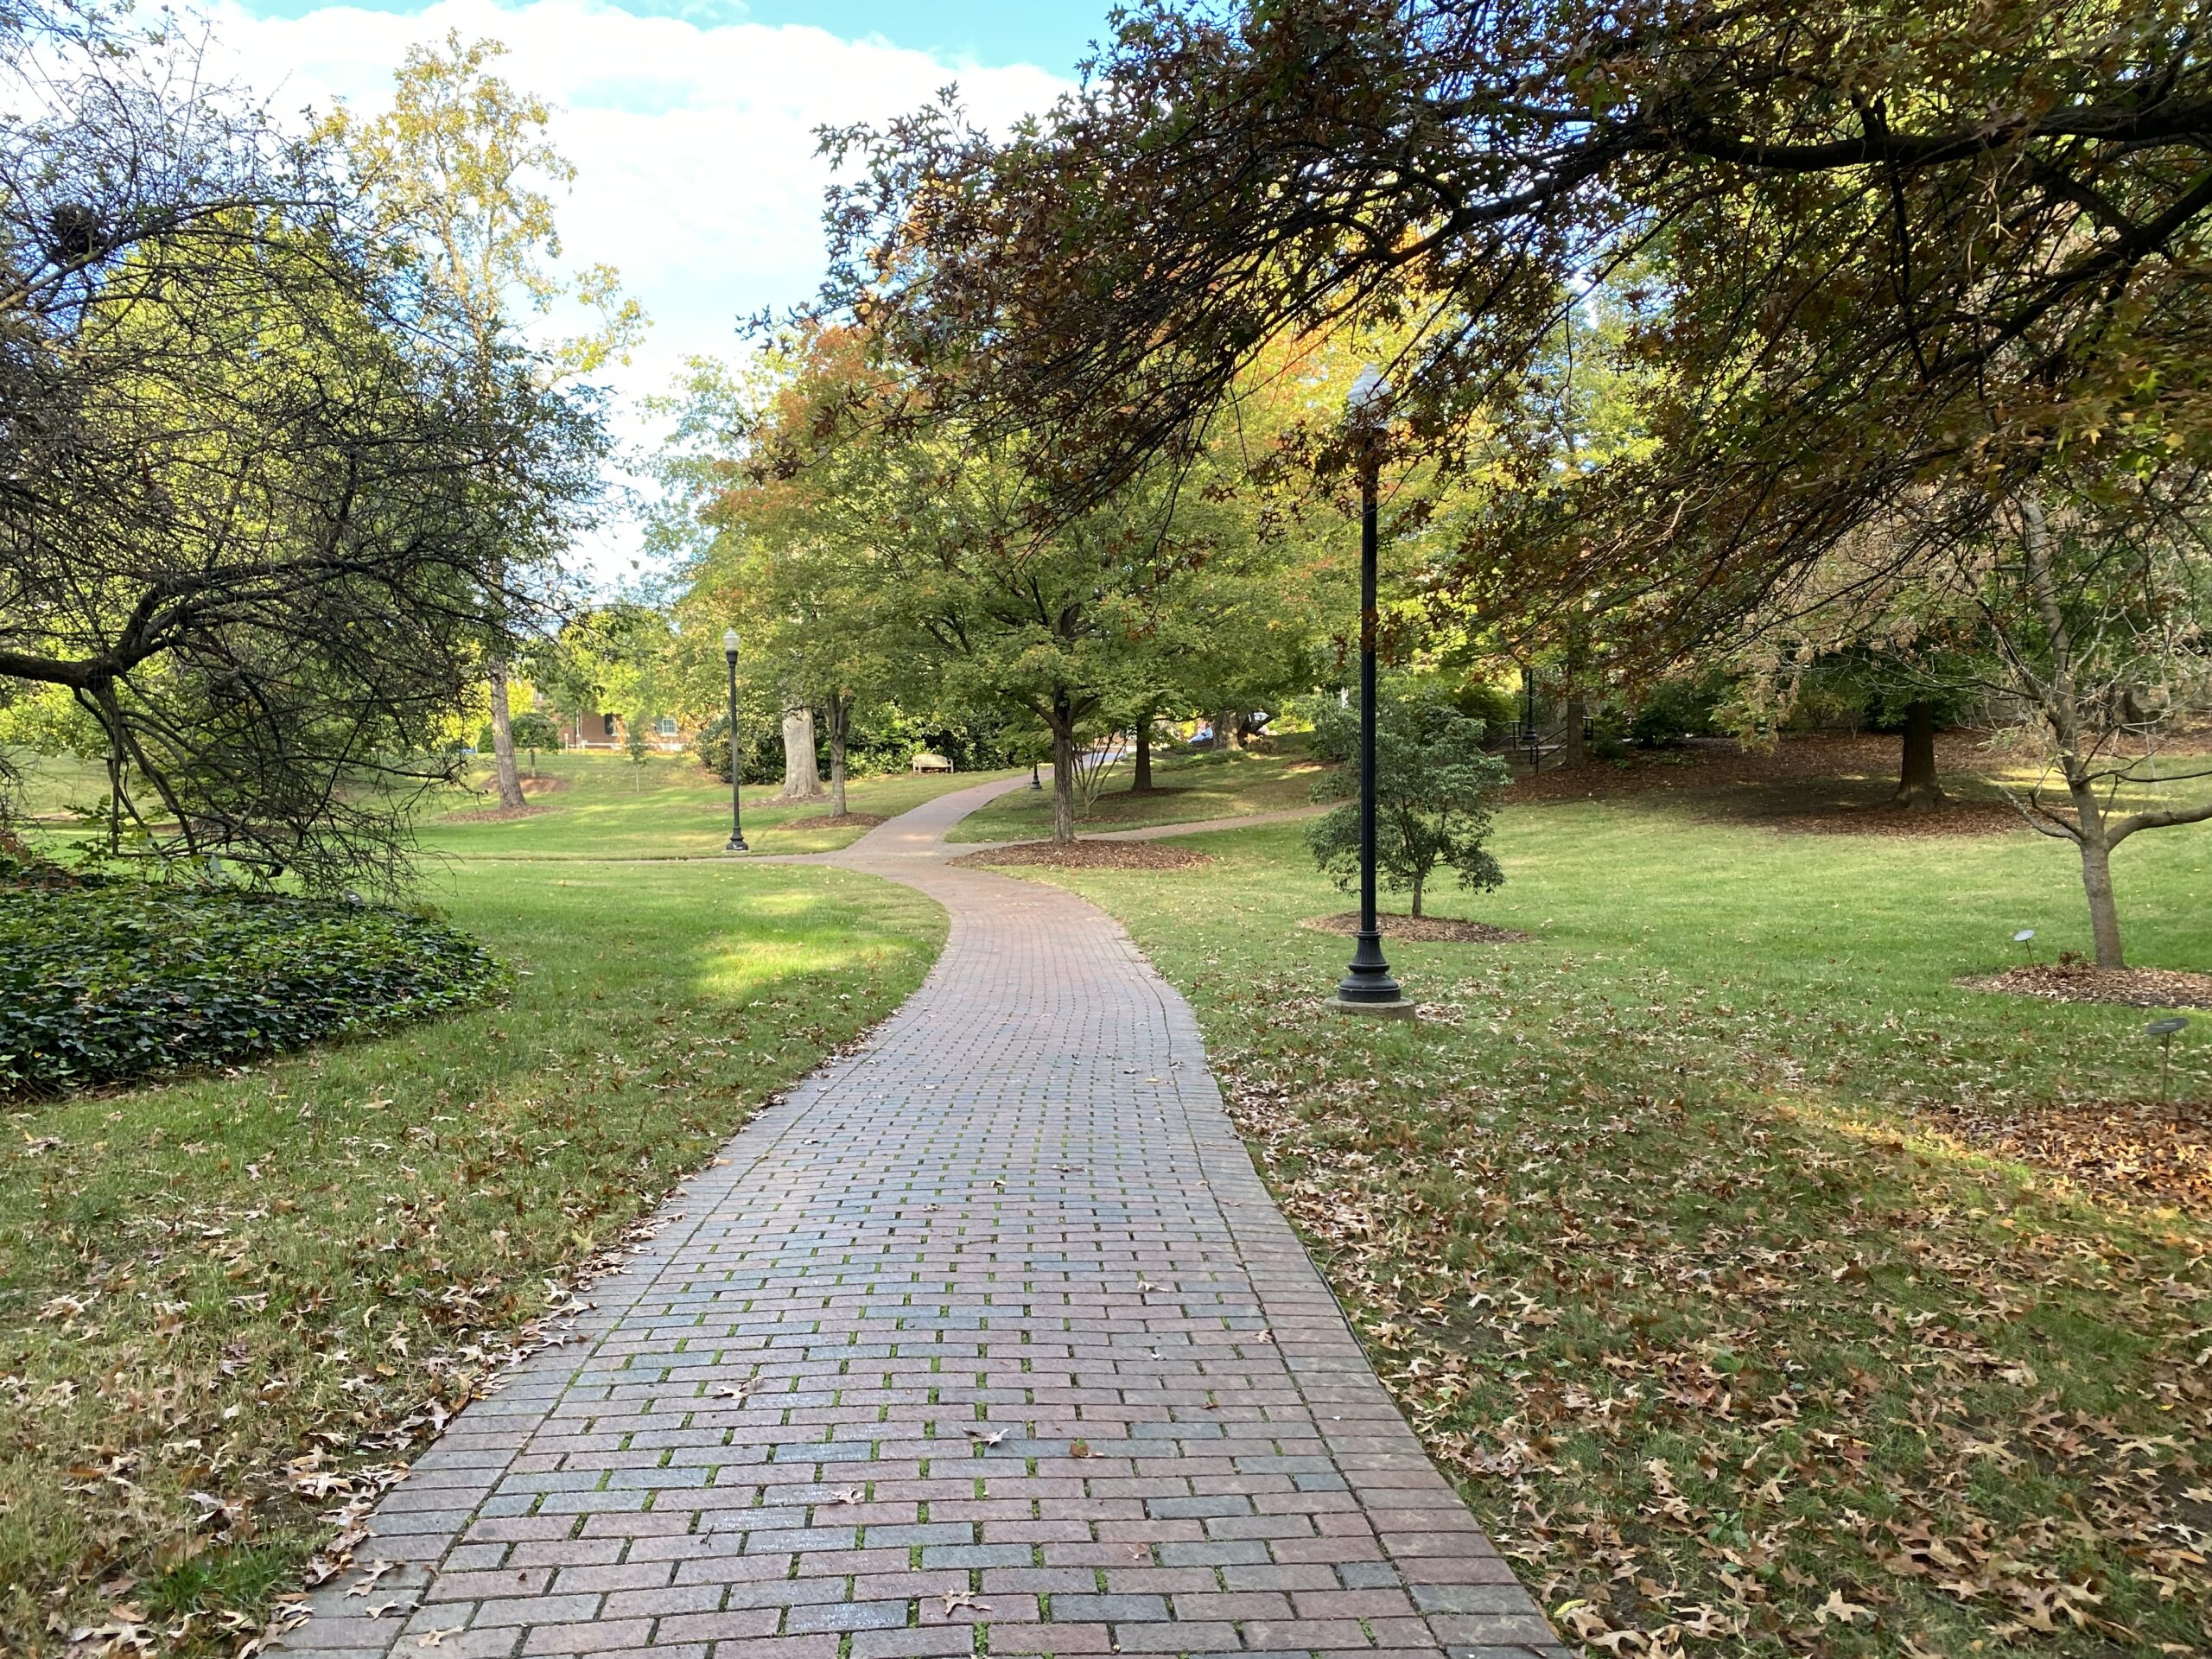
(987, 1340)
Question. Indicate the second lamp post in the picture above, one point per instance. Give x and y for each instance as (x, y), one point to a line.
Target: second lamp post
(1367, 987)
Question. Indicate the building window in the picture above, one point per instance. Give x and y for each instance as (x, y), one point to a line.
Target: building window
(607, 721)
(666, 726)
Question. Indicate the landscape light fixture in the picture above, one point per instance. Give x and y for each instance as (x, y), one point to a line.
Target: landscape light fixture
(2025, 939)
(1367, 987)
(736, 819)
(2166, 1029)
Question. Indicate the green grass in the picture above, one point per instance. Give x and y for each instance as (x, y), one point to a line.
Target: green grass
(606, 806)
(254, 1284)
(52, 785)
(1671, 1233)
(600, 805)
(1187, 788)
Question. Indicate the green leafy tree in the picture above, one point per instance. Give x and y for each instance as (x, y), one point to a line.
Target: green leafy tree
(460, 168)
(1436, 790)
(254, 510)
(534, 730)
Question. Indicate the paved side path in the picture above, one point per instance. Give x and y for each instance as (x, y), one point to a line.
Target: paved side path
(987, 1339)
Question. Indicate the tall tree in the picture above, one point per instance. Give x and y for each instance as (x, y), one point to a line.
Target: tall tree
(1842, 315)
(703, 526)
(250, 516)
(461, 166)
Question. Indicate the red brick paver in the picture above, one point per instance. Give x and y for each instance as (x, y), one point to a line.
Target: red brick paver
(987, 1339)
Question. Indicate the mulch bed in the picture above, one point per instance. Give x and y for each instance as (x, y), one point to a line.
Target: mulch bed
(1809, 784)
(497, 814)
(532, 786)
(1709, 763)
(1089, 856)
(837, 821)
(2139, 988)
(1423, 930)
(1800, 812)
(2137, 1147)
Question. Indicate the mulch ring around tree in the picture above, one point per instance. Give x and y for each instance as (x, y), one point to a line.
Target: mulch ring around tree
(1814, 812)
(1088, 855)
(837, 821)
(1807, 783)
(2164, 1152)
(1422, 930)
(498, 814)
(533, 785)
(2139, 988)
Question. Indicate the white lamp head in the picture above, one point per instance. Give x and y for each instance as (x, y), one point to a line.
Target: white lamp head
(1369, 395)
(729, 642)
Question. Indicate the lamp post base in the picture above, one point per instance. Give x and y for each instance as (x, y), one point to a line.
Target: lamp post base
(1401, 1008)
(737, 845)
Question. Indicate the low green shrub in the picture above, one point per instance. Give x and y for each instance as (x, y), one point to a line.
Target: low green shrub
(104, 981)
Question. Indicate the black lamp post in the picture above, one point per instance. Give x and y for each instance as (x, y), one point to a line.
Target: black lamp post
(1367, 987)
(736, 821)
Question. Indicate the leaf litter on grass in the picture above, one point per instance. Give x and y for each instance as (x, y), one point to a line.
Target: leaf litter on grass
(1726, 1370)
(238, 1304)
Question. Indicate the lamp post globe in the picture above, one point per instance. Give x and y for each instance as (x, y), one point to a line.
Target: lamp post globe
(1367, 986)
(736, 843)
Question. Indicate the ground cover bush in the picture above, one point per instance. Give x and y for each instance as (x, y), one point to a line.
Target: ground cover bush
(104, 979)
(1680, 1236)
(230, 1305)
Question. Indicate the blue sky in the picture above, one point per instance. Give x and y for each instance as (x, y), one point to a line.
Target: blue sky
(692, 125)
(990, 32)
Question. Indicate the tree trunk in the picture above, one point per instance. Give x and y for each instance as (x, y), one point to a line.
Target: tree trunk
(2062, 709)
(838, 711)
(1141, 783)
(802, 776)
(2097, 879)
(503, 736)
(1570, 743)
(1917, 786)
(1419, 881)
(1224, 732)
(1063, 781)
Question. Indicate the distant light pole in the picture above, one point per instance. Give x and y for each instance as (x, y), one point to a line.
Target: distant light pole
(1367, 987)
(736, 819)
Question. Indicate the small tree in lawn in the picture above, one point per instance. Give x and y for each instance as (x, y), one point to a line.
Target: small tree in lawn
(1435, 790)
(534, 730)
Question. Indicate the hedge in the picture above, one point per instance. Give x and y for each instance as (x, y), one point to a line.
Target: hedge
(104, 981)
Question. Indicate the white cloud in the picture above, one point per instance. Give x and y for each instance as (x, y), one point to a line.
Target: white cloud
(694, 142)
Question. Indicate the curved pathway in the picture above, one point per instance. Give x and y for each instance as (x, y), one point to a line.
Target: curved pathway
(987, 1338)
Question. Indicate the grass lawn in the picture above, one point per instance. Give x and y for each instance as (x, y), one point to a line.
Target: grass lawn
(52, 783)
(1187, 788)
(598, 805)
(254, 1285)
(606, 806)
(1677, 1234)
